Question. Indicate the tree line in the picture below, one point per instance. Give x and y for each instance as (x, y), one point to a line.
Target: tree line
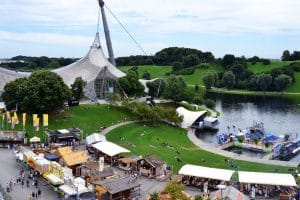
(27, 63)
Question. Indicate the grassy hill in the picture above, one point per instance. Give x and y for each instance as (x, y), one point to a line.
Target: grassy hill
(154, 136)
(201, 70)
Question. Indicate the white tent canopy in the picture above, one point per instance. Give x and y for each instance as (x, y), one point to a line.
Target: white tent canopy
(267, 178)
(206, 172)
(35, 139)
(94, 138)
(189, 117)
(110, 148)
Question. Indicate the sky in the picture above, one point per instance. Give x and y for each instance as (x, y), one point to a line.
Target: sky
(66, 28)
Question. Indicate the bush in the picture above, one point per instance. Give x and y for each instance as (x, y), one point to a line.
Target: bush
(296, 66)
(198, 100)
(266, 61)
(187, 71)
(210, 103)
(198, 197)
(241, 139)
(255, 140)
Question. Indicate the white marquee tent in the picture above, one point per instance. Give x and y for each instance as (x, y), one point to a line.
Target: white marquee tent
(94, 138)
(267, 178)
(206, 172)
(110, 148)
(189, 117)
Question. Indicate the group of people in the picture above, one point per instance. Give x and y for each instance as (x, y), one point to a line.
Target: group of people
(24, 180)
(205, 185)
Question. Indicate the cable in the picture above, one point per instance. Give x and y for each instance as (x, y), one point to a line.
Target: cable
(98, 20)
(138, 45)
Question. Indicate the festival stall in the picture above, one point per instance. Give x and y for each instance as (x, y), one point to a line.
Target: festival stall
(129, 163)
(151, 166)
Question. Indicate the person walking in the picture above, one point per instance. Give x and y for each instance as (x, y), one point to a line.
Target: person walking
(39, 192)
(22, 183)
(27, 183)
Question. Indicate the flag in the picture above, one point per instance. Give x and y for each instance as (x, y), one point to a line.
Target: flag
(36, 123)
(3, 118)
(8, 118)
(13, 122)
(24, 119)
(16, 118)
(45, 119)
(34, 116)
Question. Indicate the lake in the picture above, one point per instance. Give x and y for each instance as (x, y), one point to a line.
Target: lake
(280, 115)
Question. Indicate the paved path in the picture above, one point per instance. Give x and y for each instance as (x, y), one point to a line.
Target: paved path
(9, 169)
(212, 149)
(110, 128)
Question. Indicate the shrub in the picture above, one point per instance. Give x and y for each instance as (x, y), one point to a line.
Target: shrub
(241, 139)
(266, 61)
(210, 103)
(198, 197)
(255, 140)
(187, 71)
(198, 100)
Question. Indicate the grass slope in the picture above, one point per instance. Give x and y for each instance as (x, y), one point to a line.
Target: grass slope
(150, 143)
(89, 118)
(296, 86)
(155, 71)
(259, 67)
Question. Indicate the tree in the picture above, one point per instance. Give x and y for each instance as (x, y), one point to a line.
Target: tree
(228, 60)
(43, 91)
(282, 81)
(131, 85)
(210, 103)
(175, 88)
(146, 75)
(177, 66)
(154, 196)
(77, 88)
(210, 79)
(156, 88)
(238, 70)
(266, 61)
(264, 81)
(174, 189)
(11, 94)
(228, 79)
(286, 56)
(190, 60)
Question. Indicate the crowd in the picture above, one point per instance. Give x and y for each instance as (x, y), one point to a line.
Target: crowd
(26, 179)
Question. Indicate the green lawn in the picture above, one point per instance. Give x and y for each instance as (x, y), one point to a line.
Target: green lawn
(89, 118)
(259, 67)
(200, 72)
(153, 137)
(155, 71)
(296, 86)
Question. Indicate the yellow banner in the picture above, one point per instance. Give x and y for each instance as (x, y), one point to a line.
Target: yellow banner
(34, 116)
(16, 119)
(24, 119)
(36, 123)
(45, 119)
(8, 118)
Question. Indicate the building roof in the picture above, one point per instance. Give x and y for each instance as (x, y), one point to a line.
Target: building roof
(114, 186)
(154, 161)
(130, 159)
(106, 172)
(189, 117)
(63, 150)
(267, 178)
(206, 172)
(75, 158)
(94, 138)
(110, 148)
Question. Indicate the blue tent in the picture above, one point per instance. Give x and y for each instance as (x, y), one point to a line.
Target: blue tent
(270, 138)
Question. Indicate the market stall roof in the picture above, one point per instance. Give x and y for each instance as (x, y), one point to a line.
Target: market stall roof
(94, 138)
(189, 117)
(267, 178)
(110, 148)
(68, 190)
(35, 139)
(63, 150)
(130, 159)
(51, 156)
(75, 158)
(63, 131)
(114, 186)
(206, 172)
(53, 179)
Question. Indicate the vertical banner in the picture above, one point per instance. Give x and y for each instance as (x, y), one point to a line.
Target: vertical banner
(34, 116)
(24, 120)
(45, 120)
(101, 164)
(36, 123)
(16, 118)
(3, 118)
(8, 118)
(13, 122)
